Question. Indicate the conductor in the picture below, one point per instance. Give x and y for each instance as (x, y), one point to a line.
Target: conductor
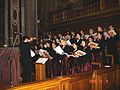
(25, 59)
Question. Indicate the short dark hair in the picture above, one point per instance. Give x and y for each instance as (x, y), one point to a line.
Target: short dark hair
(25, 37)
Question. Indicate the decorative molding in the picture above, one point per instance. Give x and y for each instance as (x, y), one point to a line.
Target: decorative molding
(14, 20)
(15, 14)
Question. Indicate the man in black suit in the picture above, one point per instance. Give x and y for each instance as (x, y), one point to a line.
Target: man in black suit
(78, 40)
(112, 45)
(25, 59)
(100, 39)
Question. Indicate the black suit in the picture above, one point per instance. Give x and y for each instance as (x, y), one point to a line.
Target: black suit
(26, 61)
(102, 44)
(68, 49)
(112, 47)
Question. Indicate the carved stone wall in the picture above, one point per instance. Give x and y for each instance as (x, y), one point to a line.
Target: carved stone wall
(14, 21)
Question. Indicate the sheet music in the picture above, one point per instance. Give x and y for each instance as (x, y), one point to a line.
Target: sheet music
(44, 53)
(76, 54)
(32, 53)
(59, 50)
(80, 53)
(106, 35)
(70, 55)
(93, 44)
(42, 60)
(112, 33)
(42, 50)
(68, 42)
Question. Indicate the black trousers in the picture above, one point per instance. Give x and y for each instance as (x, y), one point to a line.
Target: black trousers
(26, 72)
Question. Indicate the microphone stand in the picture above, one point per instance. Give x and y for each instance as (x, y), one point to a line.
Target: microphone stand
(10, 59)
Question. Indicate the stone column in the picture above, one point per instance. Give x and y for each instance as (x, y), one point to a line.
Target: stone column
(22, 16)
(119, 3)
(30, 17)
(6, 23)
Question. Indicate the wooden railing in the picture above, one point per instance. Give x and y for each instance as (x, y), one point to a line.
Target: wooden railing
(87, 7)
(109, 4)
(102, 79)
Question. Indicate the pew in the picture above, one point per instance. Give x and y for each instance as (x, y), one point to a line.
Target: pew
(107, 78)
(100, 79)
(51, 84)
